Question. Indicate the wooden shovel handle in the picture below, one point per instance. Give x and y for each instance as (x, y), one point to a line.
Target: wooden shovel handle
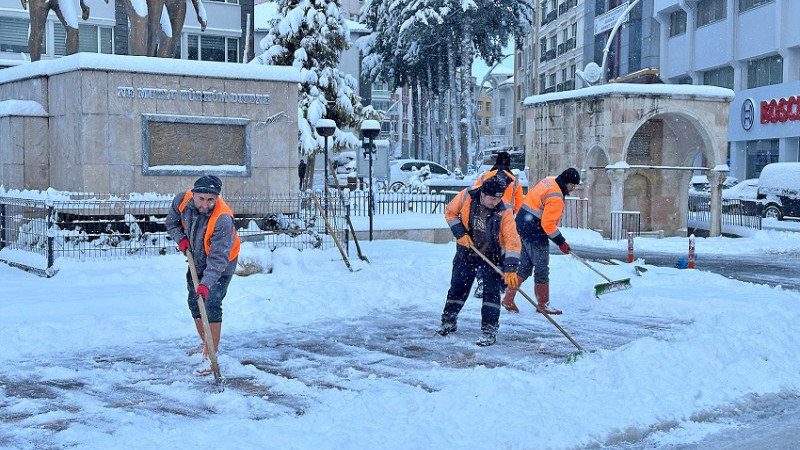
(201, 303)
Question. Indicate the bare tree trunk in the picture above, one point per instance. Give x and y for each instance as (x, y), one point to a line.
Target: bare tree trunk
(452, 93)
(416, 99)
(467, 102)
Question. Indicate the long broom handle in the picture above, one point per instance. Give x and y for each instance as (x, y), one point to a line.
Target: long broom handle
(535, 305)
(331, 232)
(347, 216)
(201, 303)
(589, 266)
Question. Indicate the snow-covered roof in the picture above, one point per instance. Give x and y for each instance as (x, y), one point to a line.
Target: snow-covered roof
(674, 90)
(144, 64)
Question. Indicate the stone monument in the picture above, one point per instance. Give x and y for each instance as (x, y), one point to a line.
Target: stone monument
(122, 124)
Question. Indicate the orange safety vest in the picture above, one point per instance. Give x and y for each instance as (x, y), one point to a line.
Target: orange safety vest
(220, 208)
(546, 202)
(512, 196)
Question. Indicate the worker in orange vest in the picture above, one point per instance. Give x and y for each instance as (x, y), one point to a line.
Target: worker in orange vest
(537, 225)
(512, 197)
(480, 222)
(200, 221)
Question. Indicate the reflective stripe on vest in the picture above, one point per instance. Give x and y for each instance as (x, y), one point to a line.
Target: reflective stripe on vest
(219, 208)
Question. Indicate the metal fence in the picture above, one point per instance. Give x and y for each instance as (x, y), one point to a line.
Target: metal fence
(624, 222)
(34, 232)
(735, 212)
(396, 202)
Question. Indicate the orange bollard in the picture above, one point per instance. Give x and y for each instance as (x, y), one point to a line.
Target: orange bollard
(630, 247)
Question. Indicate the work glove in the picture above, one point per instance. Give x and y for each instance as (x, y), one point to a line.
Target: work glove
(511, 279)
(202, 290)
(564, 248)
(464, 240)
(183, 245)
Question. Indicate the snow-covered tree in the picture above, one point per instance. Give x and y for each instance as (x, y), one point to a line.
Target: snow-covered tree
(429, 46)
(311, 35)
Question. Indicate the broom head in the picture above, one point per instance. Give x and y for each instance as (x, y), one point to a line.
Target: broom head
(612, 286)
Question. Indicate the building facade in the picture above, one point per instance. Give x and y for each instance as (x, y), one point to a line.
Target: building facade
(752, 47)
(106, 30)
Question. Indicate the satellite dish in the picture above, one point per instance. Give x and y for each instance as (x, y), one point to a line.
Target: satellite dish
(592, 72)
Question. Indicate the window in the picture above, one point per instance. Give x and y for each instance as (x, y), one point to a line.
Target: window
(563, 74)
(677, 23)
(709, 11)
(722, 77)
(764, 71)
(542, 85)
(212, 48)
(543, 46)
(14, 35)
(91, 39)
(759, 154)
(744, 5)
(552, 80)
(501, 109)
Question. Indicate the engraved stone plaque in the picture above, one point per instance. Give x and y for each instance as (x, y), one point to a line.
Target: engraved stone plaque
(188, 145)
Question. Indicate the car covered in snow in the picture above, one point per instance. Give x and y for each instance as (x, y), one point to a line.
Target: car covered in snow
(779, 190)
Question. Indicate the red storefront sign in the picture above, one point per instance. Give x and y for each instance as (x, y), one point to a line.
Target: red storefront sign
(775, 111)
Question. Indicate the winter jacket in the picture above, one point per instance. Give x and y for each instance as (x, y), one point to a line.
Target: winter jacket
(213, 232)
(504, 243)
(513, 195)
(541, 210)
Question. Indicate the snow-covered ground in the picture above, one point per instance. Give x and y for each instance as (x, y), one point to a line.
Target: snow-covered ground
(318, 357)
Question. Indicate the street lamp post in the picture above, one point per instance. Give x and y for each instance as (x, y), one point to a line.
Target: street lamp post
(370, 129)
(326, 128)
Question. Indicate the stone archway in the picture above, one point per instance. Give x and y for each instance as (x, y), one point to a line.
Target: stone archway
(594, 183)
(642, 137)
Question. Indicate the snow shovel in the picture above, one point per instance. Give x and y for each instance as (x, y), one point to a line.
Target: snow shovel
(201, 303)
(571, 357)
(610, 286)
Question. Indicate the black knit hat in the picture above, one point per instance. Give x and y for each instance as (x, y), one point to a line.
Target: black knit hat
(503, 159)
(493, 187)
(207, 184)
(570, 175)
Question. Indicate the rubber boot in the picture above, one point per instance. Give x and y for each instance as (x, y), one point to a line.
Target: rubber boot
(542, 292)
(508, 299)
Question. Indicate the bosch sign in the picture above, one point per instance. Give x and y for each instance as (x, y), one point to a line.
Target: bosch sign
(775, 111)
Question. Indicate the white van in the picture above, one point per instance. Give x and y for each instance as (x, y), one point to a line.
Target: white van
(779, 190)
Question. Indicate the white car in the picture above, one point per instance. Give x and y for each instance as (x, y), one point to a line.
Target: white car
(405, 173)
(744, 190)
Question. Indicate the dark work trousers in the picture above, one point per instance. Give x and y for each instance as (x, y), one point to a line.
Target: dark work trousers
(213, 303)
(465, 266)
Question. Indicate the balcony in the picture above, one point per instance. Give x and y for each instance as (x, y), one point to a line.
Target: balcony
(550, 54)
(569, 85)
(559, 87)
(562, 48)
(570, 43)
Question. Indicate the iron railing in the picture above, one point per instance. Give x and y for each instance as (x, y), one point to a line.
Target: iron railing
(735, 212)
(34, 232)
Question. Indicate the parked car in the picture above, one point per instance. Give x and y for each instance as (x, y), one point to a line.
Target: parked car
(743, 190)
(405, 173)
(742, 198)
(779, 190)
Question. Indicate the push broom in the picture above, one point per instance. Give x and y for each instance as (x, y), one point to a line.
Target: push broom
(610, 286)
